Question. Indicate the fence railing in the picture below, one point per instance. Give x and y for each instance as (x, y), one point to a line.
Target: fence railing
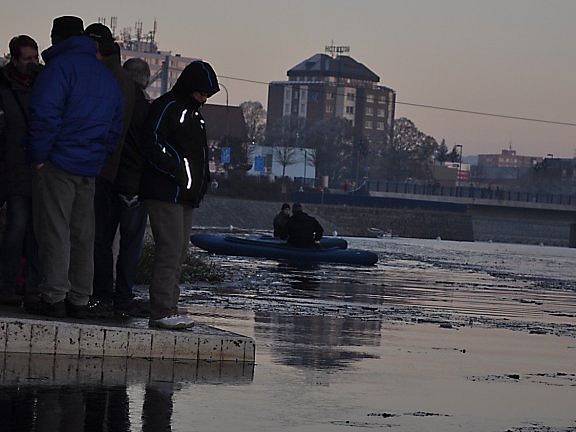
(470, 192)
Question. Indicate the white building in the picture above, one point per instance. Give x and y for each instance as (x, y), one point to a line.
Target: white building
(295, 163)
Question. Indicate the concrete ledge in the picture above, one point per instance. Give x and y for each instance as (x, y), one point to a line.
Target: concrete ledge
(38, 370)
(128, 340)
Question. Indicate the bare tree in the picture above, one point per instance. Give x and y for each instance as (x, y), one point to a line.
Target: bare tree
(285, 156)
(255, 118)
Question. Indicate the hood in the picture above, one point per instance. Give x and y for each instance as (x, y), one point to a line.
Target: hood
(197, 76)
(74, 44)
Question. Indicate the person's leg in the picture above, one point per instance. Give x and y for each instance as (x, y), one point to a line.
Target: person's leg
(106, 224)
(186, 229)
(166, 224)
(132, 228)
(53, 198)
(33, 271)
(17, 220)
(82, 243)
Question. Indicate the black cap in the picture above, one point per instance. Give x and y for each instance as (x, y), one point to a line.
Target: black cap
(66, 26)
(103, 36)
(285, 206)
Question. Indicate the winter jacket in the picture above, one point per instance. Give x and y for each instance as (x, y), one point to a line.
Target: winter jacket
(303, 230)
(75, 109)
(14, 101)
(280, 225)
(132, 161)
(128, 88)
(174, 144)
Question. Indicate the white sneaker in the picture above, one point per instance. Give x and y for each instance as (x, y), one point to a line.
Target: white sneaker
(172, 322)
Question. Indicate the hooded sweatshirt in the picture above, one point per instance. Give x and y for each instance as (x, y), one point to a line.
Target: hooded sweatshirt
(174, 143)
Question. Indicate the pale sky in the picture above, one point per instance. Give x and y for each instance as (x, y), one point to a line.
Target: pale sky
(515, 57)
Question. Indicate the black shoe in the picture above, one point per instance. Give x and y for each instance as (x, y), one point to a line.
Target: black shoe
(41, 307)
(94, 309)
(9, 297)
(137, 307)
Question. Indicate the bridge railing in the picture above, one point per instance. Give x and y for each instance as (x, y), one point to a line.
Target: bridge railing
(470, 192)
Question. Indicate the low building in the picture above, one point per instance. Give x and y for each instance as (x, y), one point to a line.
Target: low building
(278, 162)
(504, 168)
(508, 159)
(225, 128)
(451, 174)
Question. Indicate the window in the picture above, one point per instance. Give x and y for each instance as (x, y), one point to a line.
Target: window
(369, 98)
(380, 125)
(382, 99)
(368, 124)
(329, 96)
(329, 108)
(350, 96)
(381, 112)
(349, 110)
(369, 111)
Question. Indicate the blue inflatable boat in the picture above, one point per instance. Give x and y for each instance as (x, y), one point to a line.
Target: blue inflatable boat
(222, 244)
(326, 242)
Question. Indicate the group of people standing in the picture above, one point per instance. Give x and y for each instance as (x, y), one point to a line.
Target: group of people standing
(83, 154)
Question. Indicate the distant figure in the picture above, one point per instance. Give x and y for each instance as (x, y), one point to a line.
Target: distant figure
(280, 222)
(303, 230)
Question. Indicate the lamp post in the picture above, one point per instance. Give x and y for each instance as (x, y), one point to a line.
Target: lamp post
(459, 164)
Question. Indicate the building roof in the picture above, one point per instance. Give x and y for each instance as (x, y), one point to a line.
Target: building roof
(224, 121)
(341, 66)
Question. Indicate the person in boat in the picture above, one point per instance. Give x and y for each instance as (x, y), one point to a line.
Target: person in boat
(280, 222)
(303, 230)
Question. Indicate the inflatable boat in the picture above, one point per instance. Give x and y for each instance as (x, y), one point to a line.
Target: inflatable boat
(222, 244)
(326, 242)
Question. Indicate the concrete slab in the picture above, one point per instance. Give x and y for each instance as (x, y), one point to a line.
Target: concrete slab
(23, 333)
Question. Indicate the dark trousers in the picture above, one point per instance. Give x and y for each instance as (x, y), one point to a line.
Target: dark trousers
(113, 210)
(63, 216)
(171, 225)
(19, 241)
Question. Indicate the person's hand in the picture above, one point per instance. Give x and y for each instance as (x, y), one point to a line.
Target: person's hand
(39, 166)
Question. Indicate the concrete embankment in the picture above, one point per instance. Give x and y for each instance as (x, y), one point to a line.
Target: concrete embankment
(346, 220)
(23, 333)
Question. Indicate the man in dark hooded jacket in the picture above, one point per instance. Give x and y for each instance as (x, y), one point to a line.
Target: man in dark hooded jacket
(174, 182)
(303, 230)
(16, 80)
(75, 125)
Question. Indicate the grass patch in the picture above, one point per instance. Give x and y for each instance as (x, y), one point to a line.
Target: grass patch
(194, 269)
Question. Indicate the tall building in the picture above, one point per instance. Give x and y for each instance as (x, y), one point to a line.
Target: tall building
(323, 87)
(165, 67)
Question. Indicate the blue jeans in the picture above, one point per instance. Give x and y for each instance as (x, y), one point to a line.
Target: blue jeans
(114, 211)
(18, 242)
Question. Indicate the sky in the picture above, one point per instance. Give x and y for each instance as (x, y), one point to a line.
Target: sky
(513, 57)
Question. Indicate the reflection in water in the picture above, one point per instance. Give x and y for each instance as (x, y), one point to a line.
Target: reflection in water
(64, 393)
(317, 342)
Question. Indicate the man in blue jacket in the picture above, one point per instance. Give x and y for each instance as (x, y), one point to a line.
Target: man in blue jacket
(75, 125)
